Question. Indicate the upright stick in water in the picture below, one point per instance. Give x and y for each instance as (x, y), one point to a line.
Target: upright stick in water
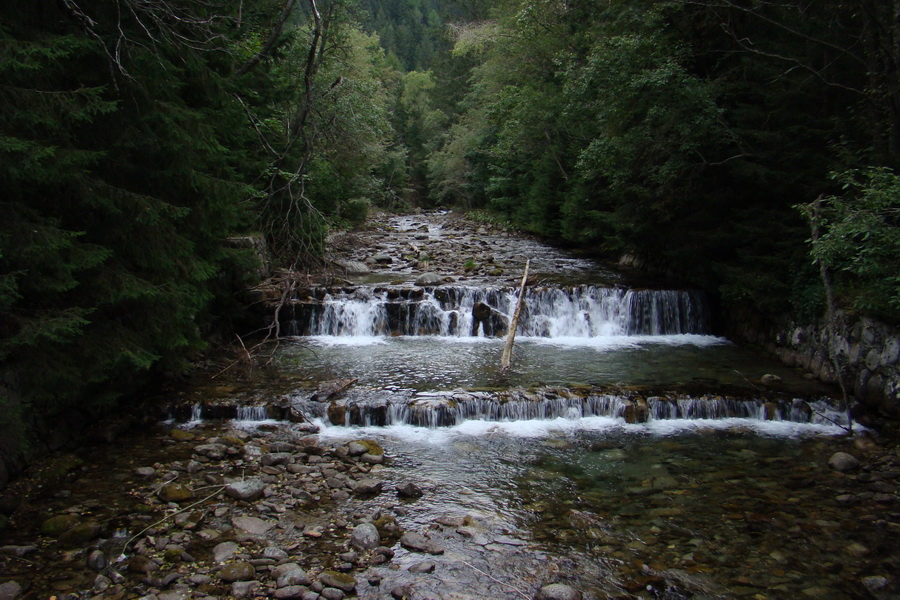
(506, 355)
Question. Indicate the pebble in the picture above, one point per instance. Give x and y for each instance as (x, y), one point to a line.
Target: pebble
(422, 567)
(368, 487)
(247, 490)
(558, 591)
(293, 576)
(238, 571)
(331, 593)
(145, 472)
(224, 551)
(11, 590)
(244, 589)
(341, 581)
(843, 462)
(291, 591)
(419, 543)
(409, 490)
(253, 526)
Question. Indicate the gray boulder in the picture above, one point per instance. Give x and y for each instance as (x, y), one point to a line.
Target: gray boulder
(247, 490)
(365, 537)
(558, 591)
(429, 280)
(843, 462)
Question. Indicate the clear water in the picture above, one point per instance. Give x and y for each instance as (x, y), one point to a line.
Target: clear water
(677, 509)
(436, 363)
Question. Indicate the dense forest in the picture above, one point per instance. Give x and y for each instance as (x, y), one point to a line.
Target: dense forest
(741, 146)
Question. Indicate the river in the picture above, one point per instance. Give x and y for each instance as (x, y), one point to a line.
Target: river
(630, 452)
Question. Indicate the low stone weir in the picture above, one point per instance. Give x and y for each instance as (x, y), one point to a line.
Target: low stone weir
(445, 409)
(582, 312)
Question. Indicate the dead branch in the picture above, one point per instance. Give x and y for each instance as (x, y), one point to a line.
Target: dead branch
(506, 355)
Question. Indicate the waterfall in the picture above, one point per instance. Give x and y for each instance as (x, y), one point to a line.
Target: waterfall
(579, 312)
(448, 409)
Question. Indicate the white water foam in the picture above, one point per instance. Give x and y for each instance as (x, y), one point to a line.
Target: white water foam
(603, 343)
(548, 428)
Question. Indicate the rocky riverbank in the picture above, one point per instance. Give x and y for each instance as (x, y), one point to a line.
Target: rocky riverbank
(229, 513)
(233, 510)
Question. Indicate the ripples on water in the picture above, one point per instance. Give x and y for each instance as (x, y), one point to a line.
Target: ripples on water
(733, 507)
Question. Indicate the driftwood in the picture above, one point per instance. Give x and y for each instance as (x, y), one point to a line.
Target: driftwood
(506, 355)
(330, 389)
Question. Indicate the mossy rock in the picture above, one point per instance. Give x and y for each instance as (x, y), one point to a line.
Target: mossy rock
(56, 526)
(238, 571)
(175, 492)
(232, 441)
(60, 467)
(342, 581)
(172, 555)
(388, 527)
(180, 435)
(371, 446)
(80, 534)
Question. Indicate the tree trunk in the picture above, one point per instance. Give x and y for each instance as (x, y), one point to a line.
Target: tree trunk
(506, 355)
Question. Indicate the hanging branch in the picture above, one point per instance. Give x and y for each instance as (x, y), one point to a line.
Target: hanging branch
(506, 355)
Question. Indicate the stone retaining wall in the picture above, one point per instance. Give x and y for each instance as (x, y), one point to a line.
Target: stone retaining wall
(869, 349)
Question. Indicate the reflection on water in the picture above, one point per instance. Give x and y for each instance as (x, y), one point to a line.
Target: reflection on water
(432, 363)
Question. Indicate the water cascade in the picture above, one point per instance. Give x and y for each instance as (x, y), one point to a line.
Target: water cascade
(447, 409)
(577, 312)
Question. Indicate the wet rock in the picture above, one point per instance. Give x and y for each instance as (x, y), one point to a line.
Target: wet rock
(275, 458)
(409, 490)
(17, 551)
(360, 447)
(382, 259)
(180, 435)
(422, 567)
(843, 462)
(368, 487)
(237, 571)
(372, 459)
(11, 590)
(558, 591)
(419, 543)
(248, 490)
(769, 379)
(429, 280)
(212, 451)
(291, 591)
(96, 560)
(875, 583)
(142, 564)
(388, 526)
(145, 472)
(224, 551)
(80, 534)
(341, 581)
(274, 553)
(101, 584)
(56, 526)
(175, 492)
(403, 592)
(331, 593)
(365, 537)
(173, 595)
(244, 589)
(252, 525)
(292, 576)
